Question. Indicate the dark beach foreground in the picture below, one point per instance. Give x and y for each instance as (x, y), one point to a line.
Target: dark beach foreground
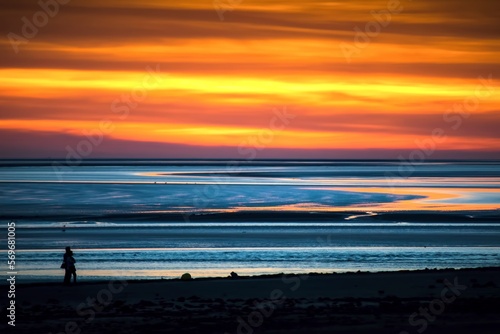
(430, 301)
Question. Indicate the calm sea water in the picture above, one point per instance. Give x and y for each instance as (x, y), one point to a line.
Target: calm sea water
(152, 219)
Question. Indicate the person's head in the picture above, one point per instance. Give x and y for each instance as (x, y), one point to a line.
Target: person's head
(68, 249)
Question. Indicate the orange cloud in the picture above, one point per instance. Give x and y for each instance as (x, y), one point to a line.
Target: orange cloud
(219, 80)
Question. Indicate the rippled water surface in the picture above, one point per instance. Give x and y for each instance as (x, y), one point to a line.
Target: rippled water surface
(150, 219)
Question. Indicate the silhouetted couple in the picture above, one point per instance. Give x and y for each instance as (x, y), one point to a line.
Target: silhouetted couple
(69, 266)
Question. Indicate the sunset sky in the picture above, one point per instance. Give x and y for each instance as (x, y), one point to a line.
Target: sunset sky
(249, 79)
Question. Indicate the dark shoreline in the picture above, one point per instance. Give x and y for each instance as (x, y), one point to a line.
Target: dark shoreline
(271, 276)
(437, 301)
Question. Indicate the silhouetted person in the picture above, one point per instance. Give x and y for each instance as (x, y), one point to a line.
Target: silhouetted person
(69, 269)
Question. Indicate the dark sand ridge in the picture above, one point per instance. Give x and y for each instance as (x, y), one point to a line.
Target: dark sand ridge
(458, 301)
(464, 216)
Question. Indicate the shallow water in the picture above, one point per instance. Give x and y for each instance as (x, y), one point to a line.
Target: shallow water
(151, 219)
